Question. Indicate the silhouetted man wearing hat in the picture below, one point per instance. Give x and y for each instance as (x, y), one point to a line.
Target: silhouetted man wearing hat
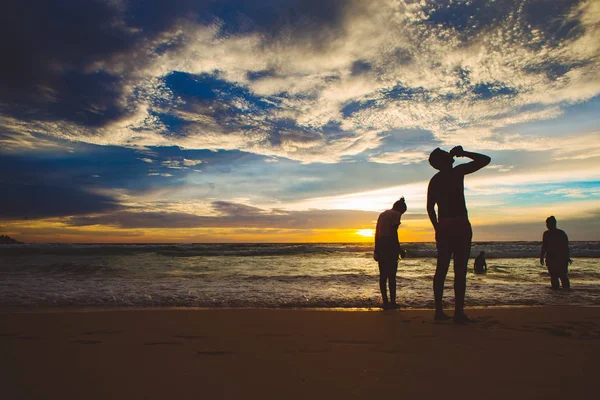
(452, 227)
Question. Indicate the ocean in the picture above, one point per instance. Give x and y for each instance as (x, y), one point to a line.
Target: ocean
(322, 275)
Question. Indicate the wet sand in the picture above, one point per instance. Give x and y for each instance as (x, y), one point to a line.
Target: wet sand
(519, 353)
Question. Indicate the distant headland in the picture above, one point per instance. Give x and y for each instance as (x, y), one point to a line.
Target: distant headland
(8, 240)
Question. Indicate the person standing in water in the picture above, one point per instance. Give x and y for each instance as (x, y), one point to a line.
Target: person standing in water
(388, 250)
(555, 247)
(480, 266)
(453, 232)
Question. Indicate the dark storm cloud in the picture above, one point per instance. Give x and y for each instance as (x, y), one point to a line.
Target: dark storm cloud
(258, 75)
(55, 52)
(401, 93)
(553, 19)
(65, 183)
(233, 209)
(47, 48)
(286, 130)
(92, 167)
(552, 69)
(20, 201)
(88, 99)
(97, 167)
(294, 220)
(492, 89)
(312, 20)
(360, 67)
(52, 233)
(214, 96)
(233, 107)
(397, 93)
(355, 106)
(467, 16)
(234, 215)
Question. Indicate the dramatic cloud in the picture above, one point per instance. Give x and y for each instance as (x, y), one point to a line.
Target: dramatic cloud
(307, 80)
(37, 201)
(233, 215)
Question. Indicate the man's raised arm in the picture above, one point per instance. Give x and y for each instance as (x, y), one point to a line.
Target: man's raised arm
(479, 160)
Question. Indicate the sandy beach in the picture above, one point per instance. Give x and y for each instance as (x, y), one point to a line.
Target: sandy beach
(535, 352)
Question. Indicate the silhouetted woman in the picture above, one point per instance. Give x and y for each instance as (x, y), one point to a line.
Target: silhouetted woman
(387, 251)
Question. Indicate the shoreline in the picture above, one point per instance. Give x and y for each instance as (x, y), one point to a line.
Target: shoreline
(85, 309)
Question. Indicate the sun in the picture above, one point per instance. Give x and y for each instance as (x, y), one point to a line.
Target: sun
(366, 232)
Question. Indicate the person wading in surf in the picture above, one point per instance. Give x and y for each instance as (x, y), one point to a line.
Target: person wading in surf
(555, 248)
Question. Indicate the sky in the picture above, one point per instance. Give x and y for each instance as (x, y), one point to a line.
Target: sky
(294, 120)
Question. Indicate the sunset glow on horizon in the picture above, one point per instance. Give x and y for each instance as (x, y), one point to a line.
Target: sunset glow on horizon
(366, 233)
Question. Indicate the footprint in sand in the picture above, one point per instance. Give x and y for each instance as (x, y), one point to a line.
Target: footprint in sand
(215, 353)
(188, 337)
(101, 332)
(559, 332)
(310, 351)
(353, 342)
(274, 334)
(487, 322)
(591, 335)
(161, 343)
(81, 341)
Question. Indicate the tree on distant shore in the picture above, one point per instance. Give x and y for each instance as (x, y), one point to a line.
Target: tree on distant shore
(8, 240)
